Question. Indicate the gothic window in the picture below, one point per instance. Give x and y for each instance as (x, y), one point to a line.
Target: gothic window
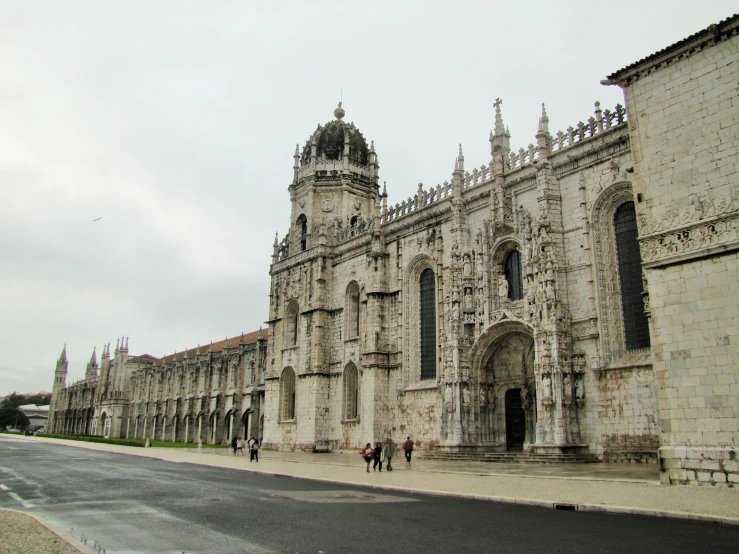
(302, 224)
(287, 394)
(636, 327)
(353, 222)
(351, 392)
(291, 324)
(428, 324)
(351, 311)
(621, 324)
(512, 268)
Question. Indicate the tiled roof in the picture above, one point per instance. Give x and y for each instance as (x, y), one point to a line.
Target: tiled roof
(666, 52)
(233, 342)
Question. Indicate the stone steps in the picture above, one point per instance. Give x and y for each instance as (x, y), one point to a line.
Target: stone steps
(511, 457)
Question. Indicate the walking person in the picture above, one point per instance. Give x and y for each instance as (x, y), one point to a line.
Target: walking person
(389, 451)
(408, 447)
(234, 442)
(254, 451)
(366, 453)
(239, 447)
(377, 456)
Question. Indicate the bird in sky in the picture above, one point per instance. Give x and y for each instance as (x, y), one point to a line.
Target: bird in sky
(98, 219)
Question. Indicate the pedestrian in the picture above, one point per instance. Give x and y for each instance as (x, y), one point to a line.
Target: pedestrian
(239, 447)
(389, 451)
(377, 455)
(234, 442)
(254, 452)
(367, 454)
(408, 447)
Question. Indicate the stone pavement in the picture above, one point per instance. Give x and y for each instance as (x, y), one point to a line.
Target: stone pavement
(616, 488)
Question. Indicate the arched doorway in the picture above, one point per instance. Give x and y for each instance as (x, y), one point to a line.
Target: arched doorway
(503, 362)
(515, 420)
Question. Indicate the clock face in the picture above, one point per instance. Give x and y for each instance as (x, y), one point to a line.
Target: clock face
(327, 205)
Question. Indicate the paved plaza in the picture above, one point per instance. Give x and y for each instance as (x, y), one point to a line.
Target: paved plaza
(615, 488)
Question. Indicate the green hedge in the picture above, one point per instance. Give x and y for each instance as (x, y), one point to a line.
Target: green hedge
(93, 438)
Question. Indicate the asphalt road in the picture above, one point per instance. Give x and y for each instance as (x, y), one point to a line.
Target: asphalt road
(131, 504)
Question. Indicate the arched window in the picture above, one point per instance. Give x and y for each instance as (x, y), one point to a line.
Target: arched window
(302, 224)
(636, 327)
(351, 311)
(428, 324)
(512, 269)
(291, 324)
(351, 392)
(287, 394)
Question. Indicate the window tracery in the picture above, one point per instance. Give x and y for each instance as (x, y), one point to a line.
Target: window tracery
(351, 311)
(287, 394)
(351, 392)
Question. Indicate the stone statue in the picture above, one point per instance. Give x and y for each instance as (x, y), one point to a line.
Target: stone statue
(546, 386)
(550, 293)
(483, 394)
(466, 395)
(502, 287)
(467, 266)
(449, 398)
(567, 388)
(468, 305)
(579, 389)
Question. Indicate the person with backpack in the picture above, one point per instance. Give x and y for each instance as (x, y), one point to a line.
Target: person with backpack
(254, 451)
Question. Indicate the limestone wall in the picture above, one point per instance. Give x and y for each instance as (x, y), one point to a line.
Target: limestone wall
(684, 122)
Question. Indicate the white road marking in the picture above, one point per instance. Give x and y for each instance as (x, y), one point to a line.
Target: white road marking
(3, 487)
(20, 500)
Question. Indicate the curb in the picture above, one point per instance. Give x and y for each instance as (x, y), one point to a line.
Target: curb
(58, 531)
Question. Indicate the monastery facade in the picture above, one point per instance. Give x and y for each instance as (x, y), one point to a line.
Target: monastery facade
(572, 299)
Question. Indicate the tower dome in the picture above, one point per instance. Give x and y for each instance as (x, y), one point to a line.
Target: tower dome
(331, 137)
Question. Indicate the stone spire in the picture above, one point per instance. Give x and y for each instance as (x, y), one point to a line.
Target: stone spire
(296, 164)
(92, 366)
(63, 357)
(500, 140)
(543, 140)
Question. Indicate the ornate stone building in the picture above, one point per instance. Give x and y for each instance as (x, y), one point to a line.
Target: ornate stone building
(207, 394)
(500, 310)
(573, 298)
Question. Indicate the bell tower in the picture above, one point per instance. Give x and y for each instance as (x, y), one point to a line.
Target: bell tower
(335, 184)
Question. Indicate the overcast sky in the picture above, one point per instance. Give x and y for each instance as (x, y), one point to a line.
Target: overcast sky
(176, 122)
